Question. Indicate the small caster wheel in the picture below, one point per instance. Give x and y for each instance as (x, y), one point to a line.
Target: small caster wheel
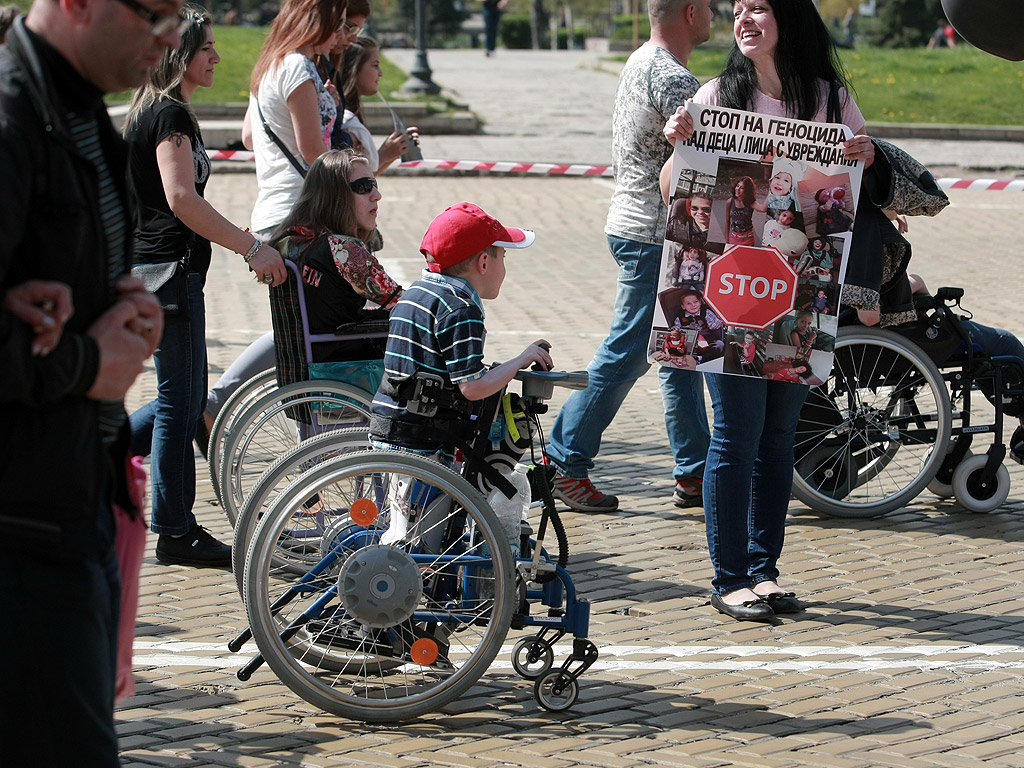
(942, 484)
(556, 691)
(531, 658)
(974, 495)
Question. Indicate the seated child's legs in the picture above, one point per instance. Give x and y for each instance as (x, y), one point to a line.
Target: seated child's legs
(413, 504)
(998, 342)
(259, 356)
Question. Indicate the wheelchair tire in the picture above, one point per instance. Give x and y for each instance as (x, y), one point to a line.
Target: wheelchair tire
(556, 691)
(240, 399)
(872, 437)
(278, 476)
(407, 627)
(972, 493)
(942, 484)
(267, 430)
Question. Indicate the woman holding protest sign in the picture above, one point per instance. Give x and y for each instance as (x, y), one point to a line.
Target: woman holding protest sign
(783, 63)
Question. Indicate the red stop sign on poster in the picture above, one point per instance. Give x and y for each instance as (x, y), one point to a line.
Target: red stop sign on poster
(750, 287)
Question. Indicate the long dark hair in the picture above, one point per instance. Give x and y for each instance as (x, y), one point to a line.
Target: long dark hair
(325, 204)
(805, 55)
(165, 78)
(749, 190)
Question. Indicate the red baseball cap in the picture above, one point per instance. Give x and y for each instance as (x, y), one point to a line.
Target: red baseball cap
(463, 230)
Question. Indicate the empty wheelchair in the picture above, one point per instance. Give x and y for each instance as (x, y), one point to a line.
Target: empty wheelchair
(896, 417)
(374, 627)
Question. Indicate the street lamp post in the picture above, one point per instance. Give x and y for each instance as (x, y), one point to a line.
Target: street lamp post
(419, 77)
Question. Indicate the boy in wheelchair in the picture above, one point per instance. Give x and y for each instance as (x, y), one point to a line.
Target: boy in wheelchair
(434, 371)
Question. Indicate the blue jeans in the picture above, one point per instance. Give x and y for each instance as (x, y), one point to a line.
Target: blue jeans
(749, 476)
(995, 342)
(622, 359)
(491, 18)
(166, 426)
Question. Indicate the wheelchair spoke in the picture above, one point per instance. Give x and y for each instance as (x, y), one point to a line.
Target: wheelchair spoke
(866, 441)
(399, 616)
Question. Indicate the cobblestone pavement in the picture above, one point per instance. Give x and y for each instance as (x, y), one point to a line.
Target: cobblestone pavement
(910, 654)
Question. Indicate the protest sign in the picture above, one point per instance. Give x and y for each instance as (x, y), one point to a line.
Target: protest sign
(758, 238)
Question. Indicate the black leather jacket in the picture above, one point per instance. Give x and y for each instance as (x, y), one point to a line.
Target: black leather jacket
(55, 474)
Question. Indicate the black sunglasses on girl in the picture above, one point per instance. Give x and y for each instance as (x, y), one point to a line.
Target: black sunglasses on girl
(363, 186)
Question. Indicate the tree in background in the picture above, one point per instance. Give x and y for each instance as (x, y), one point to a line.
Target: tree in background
(904, 23)
(443, 16)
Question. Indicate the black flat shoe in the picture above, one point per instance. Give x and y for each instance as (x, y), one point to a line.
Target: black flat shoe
(784, 602)
(752, 610)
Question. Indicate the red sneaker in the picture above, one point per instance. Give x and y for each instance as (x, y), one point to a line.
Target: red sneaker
(689, 492)
(580, 494)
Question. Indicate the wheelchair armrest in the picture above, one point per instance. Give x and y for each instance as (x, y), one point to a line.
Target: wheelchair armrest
(541, 384)
(372, 323)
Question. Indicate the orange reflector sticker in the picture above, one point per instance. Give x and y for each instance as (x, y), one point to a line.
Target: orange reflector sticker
(363, 512)
(424, 652)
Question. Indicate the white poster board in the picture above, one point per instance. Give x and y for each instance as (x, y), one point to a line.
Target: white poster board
(760, 220)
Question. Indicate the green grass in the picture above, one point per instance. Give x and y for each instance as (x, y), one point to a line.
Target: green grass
(239, 47)
(958, 86)
(962, 85)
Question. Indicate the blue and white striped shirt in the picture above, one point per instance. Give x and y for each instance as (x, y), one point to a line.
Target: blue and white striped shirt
(437, 327)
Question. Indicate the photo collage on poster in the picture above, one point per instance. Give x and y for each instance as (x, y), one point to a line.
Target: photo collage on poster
(797, 198)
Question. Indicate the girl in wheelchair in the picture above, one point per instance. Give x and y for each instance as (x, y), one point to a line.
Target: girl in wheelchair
(325, 234)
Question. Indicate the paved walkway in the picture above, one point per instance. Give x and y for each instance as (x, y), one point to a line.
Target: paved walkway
(910, 654)
(556, 106)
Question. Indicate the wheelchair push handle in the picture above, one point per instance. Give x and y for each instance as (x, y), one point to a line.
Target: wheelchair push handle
(540, 366)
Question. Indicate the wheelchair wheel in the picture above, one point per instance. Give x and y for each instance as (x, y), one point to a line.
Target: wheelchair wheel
(240, 399)
(305, 456)
(531, 658)
(405, 626)
(972, 492)
(556, 691)
(277, 422)
(942, 484)
(873, 436)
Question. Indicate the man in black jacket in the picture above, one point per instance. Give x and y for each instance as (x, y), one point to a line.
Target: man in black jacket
(65, 225)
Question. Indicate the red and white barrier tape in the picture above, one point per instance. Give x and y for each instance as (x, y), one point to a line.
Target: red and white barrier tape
(231, 154)
(558, 169)
(549, 169)
(992, 185)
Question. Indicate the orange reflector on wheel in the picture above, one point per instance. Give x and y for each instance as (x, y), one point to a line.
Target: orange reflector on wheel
(363, 512)
(424, 652)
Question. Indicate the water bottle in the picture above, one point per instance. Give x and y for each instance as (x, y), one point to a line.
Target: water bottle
(525, 493)
(512, 512)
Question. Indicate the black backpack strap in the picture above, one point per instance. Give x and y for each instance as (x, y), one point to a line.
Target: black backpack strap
(280, 144)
